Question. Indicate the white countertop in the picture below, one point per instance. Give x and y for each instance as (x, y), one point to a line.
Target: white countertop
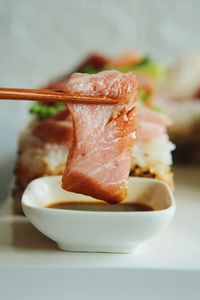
(178, 247)
(172, 258)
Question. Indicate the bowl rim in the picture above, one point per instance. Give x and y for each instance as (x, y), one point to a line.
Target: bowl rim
(51, 211)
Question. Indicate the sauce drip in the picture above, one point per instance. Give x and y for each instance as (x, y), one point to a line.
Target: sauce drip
(101, 206)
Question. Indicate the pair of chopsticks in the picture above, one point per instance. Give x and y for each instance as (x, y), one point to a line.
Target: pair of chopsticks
(52, 96)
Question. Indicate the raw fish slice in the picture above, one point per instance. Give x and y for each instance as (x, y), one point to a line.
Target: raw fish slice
(99, 160)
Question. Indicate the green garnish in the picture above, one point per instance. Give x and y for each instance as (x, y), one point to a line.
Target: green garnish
(145, 66)
(43, 111)
(157, 108)
(88, 69)
(143, 95)
(145, 61)
(149, 67)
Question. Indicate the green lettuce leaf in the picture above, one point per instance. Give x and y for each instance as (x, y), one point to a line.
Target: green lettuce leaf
(43, 111)
(146, 66)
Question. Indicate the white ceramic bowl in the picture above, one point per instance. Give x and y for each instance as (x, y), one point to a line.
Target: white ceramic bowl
(101, 231)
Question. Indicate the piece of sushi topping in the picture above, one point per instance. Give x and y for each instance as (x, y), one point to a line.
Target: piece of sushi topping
(99, 161)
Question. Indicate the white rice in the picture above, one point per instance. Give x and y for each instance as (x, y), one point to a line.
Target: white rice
(155, 153)
(38, 157)
(56, 155)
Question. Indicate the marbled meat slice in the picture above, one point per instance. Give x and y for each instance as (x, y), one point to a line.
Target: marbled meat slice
(99, 161)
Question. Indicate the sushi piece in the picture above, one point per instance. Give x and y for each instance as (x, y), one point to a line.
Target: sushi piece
(44, 145)
(151, 155)
(44, 154)
(99, 161)
(42, 151)
(181, 94)
(147, 70)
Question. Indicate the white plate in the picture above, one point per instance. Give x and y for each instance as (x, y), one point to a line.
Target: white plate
(31, 264)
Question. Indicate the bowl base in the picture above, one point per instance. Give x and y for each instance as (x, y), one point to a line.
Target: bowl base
(95, 248)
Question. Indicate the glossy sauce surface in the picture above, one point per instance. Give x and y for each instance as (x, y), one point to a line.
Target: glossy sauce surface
(101, 206)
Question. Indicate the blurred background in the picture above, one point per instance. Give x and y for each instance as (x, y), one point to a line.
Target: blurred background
(42, 39)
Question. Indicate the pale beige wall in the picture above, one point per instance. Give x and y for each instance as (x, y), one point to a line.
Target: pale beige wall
(41, 38)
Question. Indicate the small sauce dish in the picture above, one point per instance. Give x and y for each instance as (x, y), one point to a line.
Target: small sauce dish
(106, 228)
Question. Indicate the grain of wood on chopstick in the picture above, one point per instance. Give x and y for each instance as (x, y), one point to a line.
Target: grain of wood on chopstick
(51, 96)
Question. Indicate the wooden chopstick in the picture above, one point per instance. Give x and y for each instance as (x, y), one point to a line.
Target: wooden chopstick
(52, 96)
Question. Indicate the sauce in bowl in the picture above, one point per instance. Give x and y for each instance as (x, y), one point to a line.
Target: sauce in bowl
(100, 206)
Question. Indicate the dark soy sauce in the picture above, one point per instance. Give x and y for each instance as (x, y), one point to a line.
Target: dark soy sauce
(101, 206)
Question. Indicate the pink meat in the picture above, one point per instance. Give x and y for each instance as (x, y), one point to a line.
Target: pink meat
(57, 129)
(149, 115)
(152, 124)
(99, 160)
(149, 131)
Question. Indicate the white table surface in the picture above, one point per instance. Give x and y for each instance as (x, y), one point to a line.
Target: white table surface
(32, 267)
(178, 247)
(167, 267)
